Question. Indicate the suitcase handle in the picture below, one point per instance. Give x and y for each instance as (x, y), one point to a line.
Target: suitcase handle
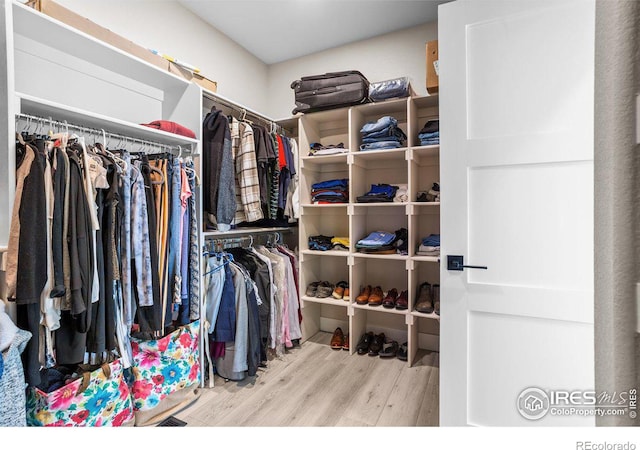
(332, 75)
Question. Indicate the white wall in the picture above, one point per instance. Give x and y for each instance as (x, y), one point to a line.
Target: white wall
(396, 54)
(171, 28)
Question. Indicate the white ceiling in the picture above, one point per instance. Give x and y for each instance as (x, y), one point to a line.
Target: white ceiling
(277, 30)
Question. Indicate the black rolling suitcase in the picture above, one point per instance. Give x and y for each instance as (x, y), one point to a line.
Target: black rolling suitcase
(331, 90)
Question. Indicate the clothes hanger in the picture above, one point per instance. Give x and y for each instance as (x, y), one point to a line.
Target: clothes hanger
(119, 161)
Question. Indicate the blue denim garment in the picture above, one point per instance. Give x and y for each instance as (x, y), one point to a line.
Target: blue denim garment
(380, 145)
(383, 189)
(380, 124)
(385, 132)
(376, 239)
(330, 183)
(429, 135)
(386, 139)
(125, 239)
(433, 240)
(225, 327)
(175, 246)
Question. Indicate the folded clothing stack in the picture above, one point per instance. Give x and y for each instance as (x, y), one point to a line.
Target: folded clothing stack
(382, 134)
(330, 191)
(320, 242)
(379, 193)
(432, 195)
(430, 133)
(171, 127)
(429, 246)
(317, 149)
(383, 90)
(340, 243)
(384, 242)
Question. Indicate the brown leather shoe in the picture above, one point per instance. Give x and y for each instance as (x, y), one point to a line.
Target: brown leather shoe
(345, 295)
(363, 298)
(390, 300)
(424, 300)
(337, 340)
(345, 343)
(338, 292)
(376, 296)
(402, 302)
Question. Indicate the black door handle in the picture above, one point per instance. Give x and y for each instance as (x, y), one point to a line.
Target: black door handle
(456, 262)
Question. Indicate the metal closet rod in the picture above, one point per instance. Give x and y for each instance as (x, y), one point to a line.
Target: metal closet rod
(217, 243)
(242, 109)
(95, 131)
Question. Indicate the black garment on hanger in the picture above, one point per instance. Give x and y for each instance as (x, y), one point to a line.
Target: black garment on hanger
(150, 317)
(71, 336)
(32, 270)
(57, 239)
(215, 132)
(260, 140)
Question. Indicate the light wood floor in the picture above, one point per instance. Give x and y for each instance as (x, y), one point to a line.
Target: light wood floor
(313, 385)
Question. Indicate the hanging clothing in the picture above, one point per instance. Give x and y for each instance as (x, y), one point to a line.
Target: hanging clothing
(247, 174)
(88, 259)
(219, 196)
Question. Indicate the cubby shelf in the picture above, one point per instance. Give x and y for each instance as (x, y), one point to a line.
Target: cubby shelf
(415, 166)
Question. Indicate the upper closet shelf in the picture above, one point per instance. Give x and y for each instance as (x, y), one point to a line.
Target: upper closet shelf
(47, 109)
(56, 34)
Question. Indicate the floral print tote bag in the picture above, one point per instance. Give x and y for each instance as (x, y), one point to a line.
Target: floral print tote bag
(166, 373)
(98, 398)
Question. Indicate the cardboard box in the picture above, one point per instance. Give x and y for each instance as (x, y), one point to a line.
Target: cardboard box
(432, 67)
(59, 12)
(192, 76)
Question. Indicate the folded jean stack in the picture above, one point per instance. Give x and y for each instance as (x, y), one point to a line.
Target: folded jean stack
(429, 246)
(382, 134)
(323, 243)
(317, 149)
(330, 191)
(384, 242)
(430, 133)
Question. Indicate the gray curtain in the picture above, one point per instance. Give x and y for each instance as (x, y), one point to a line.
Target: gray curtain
(617, 200)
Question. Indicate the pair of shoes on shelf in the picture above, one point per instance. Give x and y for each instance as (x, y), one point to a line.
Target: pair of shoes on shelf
(395, 300)
(428, 298)
(319, 289)
(341, 291)
(370, 296)
(339, 340)
(371, 344)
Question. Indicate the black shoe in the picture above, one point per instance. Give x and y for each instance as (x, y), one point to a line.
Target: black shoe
(401, 354)
(365, 341)
(376, 344)
(389, 349)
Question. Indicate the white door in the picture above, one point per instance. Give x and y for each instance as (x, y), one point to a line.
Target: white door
(516, 107)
